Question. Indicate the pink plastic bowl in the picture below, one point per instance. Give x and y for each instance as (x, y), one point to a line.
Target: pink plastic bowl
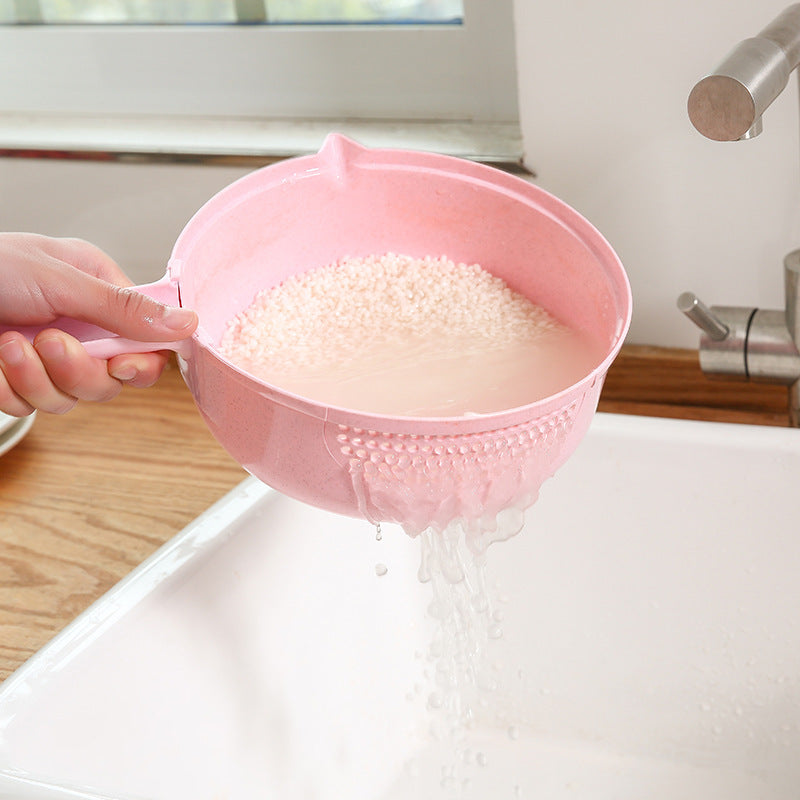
(348, 200)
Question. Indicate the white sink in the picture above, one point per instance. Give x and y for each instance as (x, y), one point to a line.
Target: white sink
(651, 646)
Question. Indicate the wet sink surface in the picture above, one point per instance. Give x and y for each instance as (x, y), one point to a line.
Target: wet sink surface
(650, 648)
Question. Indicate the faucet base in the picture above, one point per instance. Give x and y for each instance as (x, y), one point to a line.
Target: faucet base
(752, 344)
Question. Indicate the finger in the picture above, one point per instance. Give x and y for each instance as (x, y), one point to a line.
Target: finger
(28, 378)
(138, 369)
(125, 311)
(10, 402)
(72, 371)
(88, 258)
(88, 285)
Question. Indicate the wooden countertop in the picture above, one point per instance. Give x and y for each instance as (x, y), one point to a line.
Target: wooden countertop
(88, 496)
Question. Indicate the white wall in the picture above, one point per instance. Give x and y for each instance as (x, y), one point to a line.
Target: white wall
(603, 91)
(133, 211)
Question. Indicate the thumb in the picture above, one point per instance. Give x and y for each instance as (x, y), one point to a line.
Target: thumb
(131, 314)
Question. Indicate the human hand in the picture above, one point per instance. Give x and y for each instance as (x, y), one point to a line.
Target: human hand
(41, 279)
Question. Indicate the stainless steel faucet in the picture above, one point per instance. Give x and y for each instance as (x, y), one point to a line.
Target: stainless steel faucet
(727, 105)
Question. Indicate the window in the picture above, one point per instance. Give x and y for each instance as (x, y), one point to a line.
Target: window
(272, 61)
(172, 12)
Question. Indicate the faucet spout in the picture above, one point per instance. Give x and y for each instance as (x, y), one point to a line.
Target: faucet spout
(727, 105)
(750, 343)
(753, 131)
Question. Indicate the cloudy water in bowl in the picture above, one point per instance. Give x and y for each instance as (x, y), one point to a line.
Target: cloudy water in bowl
(402, 336)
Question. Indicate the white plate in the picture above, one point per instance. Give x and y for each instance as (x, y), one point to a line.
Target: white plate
(650, 648)
(6, 421)
(12, 435)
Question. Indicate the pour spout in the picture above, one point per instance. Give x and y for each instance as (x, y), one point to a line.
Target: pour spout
(338, 152)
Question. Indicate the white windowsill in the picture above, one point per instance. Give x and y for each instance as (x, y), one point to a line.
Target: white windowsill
(230, 140)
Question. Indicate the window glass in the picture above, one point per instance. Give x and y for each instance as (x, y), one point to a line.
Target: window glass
(169, 12)
(132, 11)
(450, 11)
(433, 61)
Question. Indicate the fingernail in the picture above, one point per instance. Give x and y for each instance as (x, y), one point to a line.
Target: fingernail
(12, 353)
(123, 373)
(51, 349)
(177, 319)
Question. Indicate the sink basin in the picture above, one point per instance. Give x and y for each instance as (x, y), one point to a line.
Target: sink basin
(650, 647)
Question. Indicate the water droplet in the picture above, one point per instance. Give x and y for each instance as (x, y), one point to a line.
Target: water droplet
(513, 733)
(480, 602)
(446, 677)
(481, 760)
(381, 570)
(435, 700)
(452, 572)
(378, 532)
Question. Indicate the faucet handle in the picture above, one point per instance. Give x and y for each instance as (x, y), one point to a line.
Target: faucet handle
(702, 316)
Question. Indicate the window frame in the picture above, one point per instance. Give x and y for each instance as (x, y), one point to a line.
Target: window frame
(440, 72)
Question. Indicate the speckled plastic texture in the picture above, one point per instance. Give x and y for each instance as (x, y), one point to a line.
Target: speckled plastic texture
(348, 200)
(430, 481)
